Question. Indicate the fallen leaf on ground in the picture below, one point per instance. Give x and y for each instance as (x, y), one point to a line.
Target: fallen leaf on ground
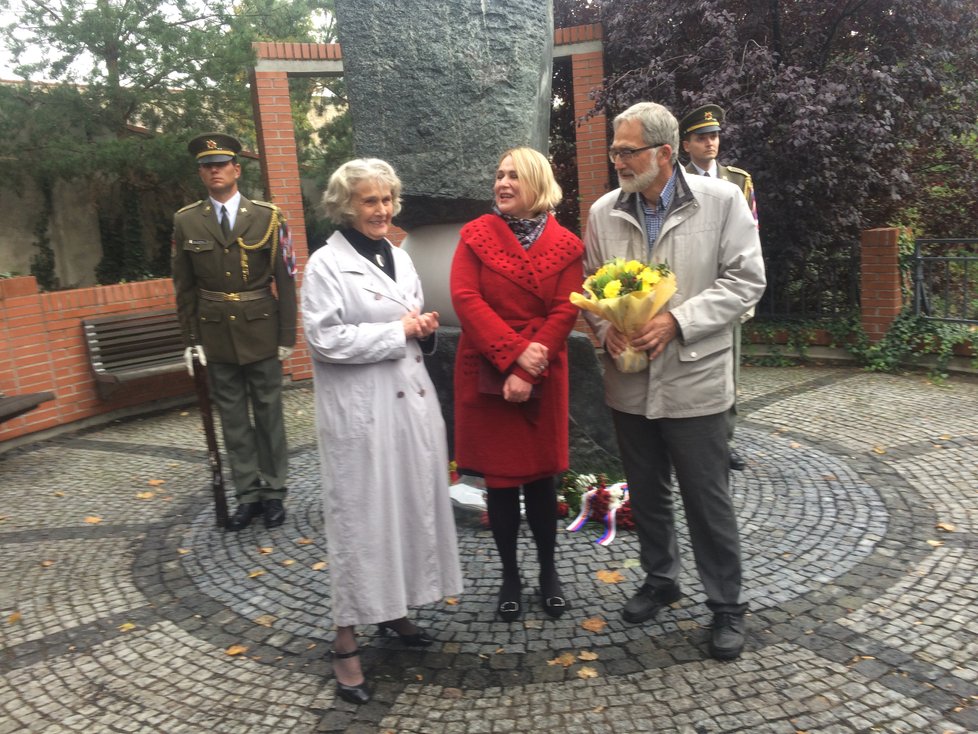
(236, 650)
(631, 563)
(587, 655)
(256, 574)
(156, 482)
(935, 543)
(304, 541)
(451, 601)
(126, 626)
(265, 549)
(13, 618)
(587, 672)
(794, 445)
(93, 519)
(145, 495)
(288, 562)
(610, 577)
(59, 493)
(946, 527)
(319, 566)
(265, 620)
(184, 551)
(47, 563)
(566, 659)
(594, 624)
(829, 477)
(879, 450)
(597, 709)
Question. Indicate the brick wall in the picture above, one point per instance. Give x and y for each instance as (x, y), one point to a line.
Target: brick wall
(44, 351)
(879, 280)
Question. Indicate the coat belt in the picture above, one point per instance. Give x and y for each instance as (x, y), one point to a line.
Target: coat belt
(243, 296)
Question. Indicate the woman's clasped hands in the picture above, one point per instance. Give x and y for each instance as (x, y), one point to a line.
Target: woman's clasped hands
(419, 325)
(534, 361)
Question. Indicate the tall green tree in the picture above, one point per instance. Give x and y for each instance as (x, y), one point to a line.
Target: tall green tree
(842, 111)
(126, 83)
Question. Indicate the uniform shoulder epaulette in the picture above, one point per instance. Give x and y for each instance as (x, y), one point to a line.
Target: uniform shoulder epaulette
(741, 171)
(190, 206)
(266, 204)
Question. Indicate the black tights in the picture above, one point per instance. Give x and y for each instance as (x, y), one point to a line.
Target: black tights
(540, 501)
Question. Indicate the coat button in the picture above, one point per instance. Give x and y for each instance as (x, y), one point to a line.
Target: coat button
(377, 296)
(400, 393)
(421, 392)
(417, 358)
(227, 273)
(693, 355)
(232, 317)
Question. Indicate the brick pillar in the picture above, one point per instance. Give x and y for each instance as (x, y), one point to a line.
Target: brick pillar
(280, 170)
(592, 133)
(881, 299)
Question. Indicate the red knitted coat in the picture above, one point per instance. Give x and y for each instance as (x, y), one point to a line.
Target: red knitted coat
(505, 297)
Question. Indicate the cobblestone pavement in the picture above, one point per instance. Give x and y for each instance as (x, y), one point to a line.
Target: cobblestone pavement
(858, 508)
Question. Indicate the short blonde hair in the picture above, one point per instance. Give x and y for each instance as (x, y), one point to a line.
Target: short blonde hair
(536, 176)
(338, 197)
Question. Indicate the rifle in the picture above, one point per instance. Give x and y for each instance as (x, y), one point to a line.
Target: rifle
(213, 454)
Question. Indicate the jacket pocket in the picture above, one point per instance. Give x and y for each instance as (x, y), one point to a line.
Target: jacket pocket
(198, 246)
(706, 347)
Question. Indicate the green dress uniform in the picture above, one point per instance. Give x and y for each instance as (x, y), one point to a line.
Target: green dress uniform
(225, 303)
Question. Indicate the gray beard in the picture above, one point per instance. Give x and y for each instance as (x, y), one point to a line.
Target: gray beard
(640, 182)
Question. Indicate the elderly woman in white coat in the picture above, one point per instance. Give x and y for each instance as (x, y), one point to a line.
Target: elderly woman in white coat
(382, 443)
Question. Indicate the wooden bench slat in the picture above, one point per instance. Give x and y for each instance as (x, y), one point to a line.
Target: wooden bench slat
(125, 347)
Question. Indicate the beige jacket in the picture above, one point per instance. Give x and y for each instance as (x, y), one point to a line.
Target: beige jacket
(709, 239)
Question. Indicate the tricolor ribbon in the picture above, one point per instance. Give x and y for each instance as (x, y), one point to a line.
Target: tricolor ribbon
(609, 520)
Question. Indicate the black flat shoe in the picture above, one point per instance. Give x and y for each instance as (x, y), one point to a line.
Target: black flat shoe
(420, 638)
(243, 516)
(555, 605)
(274, 513)
(508, 607)
(358, 694)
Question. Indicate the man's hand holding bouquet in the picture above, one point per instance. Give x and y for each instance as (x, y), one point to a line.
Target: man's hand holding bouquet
(628, 294)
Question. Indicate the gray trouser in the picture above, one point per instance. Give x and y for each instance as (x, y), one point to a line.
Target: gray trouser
(697, 449)
(256, 451)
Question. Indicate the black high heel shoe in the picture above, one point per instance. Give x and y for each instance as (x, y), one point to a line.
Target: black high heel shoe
(420, 638)
(359, 694)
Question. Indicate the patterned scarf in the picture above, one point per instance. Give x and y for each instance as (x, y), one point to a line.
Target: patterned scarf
(527, 231)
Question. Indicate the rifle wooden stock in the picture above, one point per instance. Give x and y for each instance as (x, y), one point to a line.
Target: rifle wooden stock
(213, 454)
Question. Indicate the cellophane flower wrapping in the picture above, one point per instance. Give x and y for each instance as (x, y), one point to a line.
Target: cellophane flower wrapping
(627, 293)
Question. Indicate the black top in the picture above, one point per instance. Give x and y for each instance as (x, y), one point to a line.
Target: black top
(376, 251)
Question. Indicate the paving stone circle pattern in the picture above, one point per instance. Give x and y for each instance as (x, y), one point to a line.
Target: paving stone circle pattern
(120, 601)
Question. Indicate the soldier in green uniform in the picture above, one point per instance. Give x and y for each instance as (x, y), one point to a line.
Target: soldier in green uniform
(227, 253)
(700, 134)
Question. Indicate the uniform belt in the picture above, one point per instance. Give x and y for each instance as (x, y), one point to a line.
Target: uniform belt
(243, 296)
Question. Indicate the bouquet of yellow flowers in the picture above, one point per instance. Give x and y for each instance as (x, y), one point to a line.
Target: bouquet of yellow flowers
(627, 293)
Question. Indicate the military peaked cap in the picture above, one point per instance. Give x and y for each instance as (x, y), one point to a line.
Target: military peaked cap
(705, 119)
(214, 148)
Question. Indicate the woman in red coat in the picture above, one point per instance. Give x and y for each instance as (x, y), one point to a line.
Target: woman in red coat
(512, 275)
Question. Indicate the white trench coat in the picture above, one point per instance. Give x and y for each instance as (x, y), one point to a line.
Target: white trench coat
(389, 524)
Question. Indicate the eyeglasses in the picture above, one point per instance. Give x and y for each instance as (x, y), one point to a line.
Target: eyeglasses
(627, 153)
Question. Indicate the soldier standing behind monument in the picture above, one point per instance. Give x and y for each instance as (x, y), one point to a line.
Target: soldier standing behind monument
(227, 251)
(700, 132)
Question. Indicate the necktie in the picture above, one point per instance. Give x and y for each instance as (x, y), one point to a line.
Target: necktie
(225, 222)
(706, 173)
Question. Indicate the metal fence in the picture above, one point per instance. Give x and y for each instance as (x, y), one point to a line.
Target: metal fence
(822, 285)
(945, 280)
